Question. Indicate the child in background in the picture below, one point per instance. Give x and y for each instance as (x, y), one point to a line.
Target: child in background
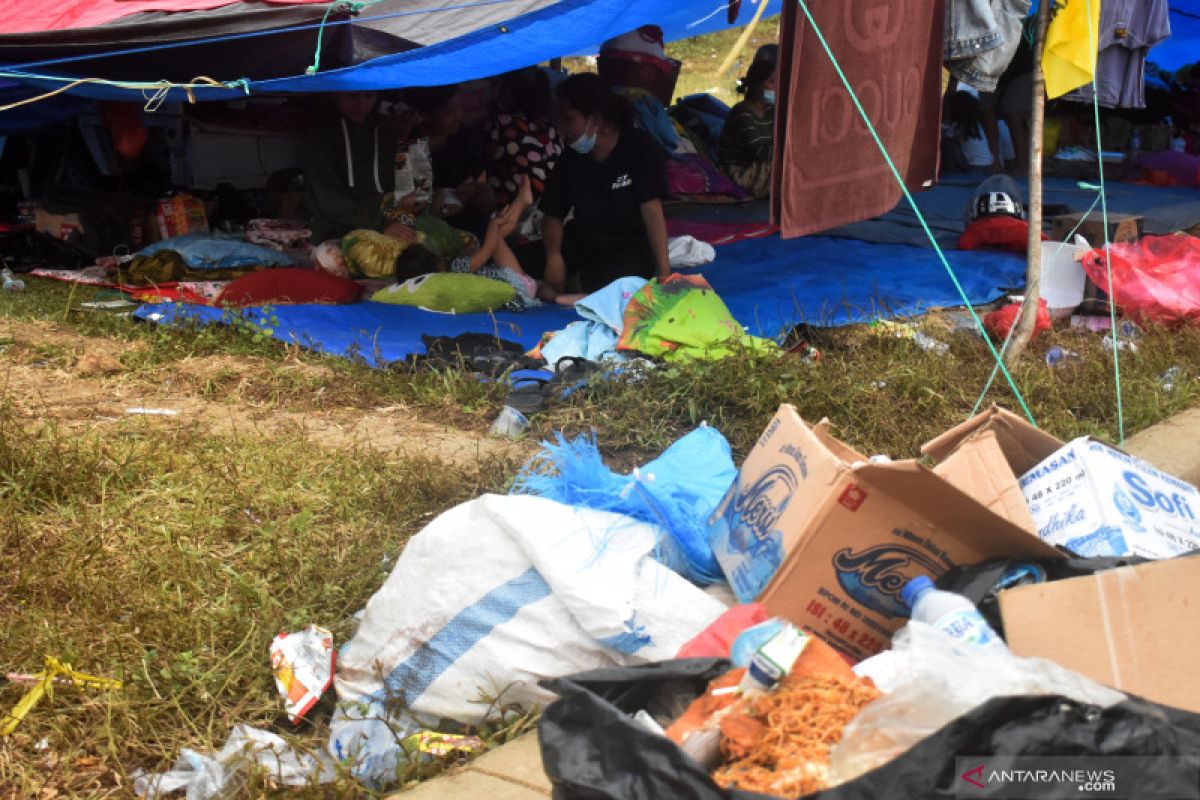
(493, 258)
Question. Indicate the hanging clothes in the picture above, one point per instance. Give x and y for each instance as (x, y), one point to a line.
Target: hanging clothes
(1070, 53)
(981, 37)
(1128, 29)
(828, 171)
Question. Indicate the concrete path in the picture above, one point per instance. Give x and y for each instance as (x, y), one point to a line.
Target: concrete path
(514, 771)
(511, 772)
(1173, 445)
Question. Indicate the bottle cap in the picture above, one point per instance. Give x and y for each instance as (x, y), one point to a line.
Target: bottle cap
(915, 588)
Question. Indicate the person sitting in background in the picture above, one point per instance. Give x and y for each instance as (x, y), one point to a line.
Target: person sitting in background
(965, 144)
(461, 194)
(747, 145)
(611, 180)
(349, 165)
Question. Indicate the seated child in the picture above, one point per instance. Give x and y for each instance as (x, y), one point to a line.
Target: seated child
(492, 258)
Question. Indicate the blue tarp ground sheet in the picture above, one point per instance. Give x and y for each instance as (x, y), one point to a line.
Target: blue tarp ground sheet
(769, 284)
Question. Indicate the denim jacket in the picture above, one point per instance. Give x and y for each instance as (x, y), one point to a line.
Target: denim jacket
(981, 38)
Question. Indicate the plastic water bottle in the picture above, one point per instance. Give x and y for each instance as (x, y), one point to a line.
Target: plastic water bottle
(930, 344)
(1056, 356)
(1122, 344)
(1168, 378)
(950, 613)
(11, 284)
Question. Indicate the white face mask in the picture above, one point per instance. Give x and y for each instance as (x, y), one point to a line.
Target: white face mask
(769, 96)
(584, 144)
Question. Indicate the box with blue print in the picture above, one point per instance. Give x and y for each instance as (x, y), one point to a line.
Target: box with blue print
(827, 538)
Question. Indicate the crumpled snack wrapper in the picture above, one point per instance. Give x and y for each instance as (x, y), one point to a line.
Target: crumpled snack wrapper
(303, 664)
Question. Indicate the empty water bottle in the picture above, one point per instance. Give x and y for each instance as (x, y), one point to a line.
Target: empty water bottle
(1056, 356)
(11, 284)
(510, 423)
(930, 344)
(1168, 378)
(950, 613)
(1122, 344)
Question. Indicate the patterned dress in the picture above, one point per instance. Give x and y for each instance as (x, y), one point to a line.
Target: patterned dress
(521, 147)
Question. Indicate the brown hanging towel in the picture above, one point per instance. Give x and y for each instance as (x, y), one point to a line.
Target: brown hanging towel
(828, 170)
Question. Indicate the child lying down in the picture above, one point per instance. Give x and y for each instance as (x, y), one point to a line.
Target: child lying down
(491, 258)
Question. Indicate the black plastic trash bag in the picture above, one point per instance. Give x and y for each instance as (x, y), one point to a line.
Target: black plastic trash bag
(593, 750)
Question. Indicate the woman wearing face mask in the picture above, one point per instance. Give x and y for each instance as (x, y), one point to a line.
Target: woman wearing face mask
(611, 179)
(747, 141)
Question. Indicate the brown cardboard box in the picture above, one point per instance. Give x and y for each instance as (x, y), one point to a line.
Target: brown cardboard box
(1121, 227)
(986, 456)
(980, 469)
(832, 538)
(1126, 627)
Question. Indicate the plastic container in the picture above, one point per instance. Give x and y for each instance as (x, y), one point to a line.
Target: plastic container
(1063, 278)
(950, 613)
(510, 423)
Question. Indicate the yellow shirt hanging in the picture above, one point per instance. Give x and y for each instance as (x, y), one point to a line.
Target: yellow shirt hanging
(1070, 55)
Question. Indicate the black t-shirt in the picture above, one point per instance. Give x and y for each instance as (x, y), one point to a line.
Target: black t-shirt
(607, 195)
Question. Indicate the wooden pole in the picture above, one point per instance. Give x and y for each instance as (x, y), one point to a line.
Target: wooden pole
(1033, 269)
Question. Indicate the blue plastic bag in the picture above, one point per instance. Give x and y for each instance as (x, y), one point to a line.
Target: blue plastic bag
(676, 491)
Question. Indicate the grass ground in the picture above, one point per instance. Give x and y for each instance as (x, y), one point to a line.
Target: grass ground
(167, 552)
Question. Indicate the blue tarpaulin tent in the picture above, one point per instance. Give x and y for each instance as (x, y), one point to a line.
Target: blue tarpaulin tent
(490, 37)
(410, 42)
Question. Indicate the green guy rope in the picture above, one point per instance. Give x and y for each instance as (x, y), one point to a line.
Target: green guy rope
(1112, 305)
(920, 217)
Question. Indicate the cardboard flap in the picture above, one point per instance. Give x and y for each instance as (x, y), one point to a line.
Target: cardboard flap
(823, 430)
(1118, 627)
(947, 507)
(980, 469)
(1023, 445)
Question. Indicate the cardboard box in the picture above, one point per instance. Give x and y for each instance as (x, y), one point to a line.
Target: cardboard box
(826, 539)
(981, 470)
(1121, 227)
(1126, 627)
(1069, 509)
(985, 456)
(1098, 501)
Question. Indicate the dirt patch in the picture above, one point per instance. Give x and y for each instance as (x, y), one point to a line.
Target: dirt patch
(86, 387)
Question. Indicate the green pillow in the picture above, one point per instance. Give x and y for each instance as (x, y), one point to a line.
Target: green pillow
(456, 292)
